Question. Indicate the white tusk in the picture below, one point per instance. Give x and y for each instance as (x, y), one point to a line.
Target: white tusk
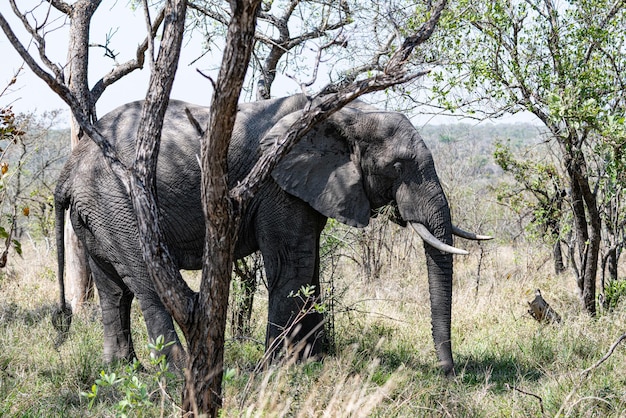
(469, 235)
(430, 239)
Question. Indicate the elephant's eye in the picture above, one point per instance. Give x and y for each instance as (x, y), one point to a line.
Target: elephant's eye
(398, 167)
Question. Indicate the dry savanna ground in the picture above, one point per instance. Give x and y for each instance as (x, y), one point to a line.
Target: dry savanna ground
(384, 365)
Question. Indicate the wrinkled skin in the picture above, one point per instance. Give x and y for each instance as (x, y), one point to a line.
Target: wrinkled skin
(359, 160)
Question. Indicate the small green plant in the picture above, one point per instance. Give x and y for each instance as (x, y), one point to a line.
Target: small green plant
(307, 294)
(134, 393)
(613, 293)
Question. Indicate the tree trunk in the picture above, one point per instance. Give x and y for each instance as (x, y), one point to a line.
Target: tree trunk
(611, 264)
(79, 284)
(588, 227)
(244, 300)
(222, 215)
(559, 266)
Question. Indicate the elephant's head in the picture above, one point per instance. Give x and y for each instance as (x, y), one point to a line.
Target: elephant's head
(362, 159)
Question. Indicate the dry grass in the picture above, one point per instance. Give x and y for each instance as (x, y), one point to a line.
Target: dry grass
(507, 364)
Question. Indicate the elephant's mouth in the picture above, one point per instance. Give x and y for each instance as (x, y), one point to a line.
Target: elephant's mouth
(433, 241)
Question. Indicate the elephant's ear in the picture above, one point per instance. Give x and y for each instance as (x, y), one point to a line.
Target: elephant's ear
(320, 170)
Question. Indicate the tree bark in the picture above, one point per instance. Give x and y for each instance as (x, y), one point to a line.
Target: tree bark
(587, 224)
(559, 266)
(611, 264)
(222, 216)
(78, 275)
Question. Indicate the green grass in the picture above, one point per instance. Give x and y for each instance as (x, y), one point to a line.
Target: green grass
(385, 366)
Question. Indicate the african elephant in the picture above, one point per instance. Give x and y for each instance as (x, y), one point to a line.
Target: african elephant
(357, 161)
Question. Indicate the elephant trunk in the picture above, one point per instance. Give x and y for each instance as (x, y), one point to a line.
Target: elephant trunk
(440, 286)
(426, 204)
(440, 266)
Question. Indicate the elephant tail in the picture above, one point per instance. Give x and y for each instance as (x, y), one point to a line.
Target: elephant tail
(62, 316)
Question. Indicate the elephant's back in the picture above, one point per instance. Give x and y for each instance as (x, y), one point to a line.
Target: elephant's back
(253, 121)
(97, 191)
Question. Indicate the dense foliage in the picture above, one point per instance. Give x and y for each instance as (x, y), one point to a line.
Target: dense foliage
(565, 64)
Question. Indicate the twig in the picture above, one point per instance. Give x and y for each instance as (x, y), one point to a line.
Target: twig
(529, 394)
(585, 373)
(208, 77)
(608, 354)
(480, 264)
(194, 122)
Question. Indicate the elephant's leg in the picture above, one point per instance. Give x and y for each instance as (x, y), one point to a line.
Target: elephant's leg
(292, 318)
(159, 323)
(291, 256)
(115, 302)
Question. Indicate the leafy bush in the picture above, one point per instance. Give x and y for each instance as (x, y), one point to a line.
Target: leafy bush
(10, 134)
(614, 292)
(133, 394)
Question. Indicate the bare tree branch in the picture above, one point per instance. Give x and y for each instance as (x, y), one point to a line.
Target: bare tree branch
(585, 373)
(523, 392)
(55, 83)
(39, 41)
(398, 60)
(284, 42)
(324, 105)
(61, 6)
(338, 40)
(604, 358)
(350, 75)
(211, 14)
(131, 65)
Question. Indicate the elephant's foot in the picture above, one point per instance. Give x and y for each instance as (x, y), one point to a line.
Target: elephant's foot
(305, 340)
(119, 352)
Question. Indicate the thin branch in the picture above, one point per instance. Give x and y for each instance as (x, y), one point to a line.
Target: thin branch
(585, 373)
(215, 16)
(398, 59)
(56, 84)
(350, 75)
(338, 40)
(61, 6)
(131, 65)
(39, 41)
(146, 11)
(604, 358)
(12, 81)
(108, 51)
(610, 15)
(523, 392)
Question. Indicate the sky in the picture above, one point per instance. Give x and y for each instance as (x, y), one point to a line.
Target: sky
(127, 28)
(31, 94)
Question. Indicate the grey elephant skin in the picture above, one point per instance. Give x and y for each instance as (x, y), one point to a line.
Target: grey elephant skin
(359, 160)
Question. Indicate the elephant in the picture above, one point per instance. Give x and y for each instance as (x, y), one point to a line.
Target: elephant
(357, 161)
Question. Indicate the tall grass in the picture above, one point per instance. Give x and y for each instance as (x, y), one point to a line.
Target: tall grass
(385, 364)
